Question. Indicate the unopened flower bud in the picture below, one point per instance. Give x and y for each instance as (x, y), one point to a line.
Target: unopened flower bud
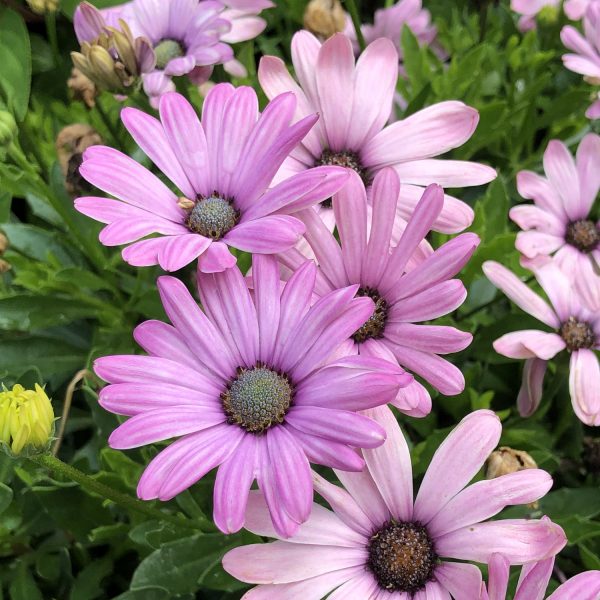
(71, 142)
(548, 15)
(42, 7)
(507, 460)
(8, 128)
(82, 87)
(26, 420)
(324, 17)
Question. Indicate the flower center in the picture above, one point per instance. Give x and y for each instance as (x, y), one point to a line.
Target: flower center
(347, 159)
(577, 334)
(401, 556)
(583, 234)
(257, 399)
(375, 326)
(211, 217)
(165, 51)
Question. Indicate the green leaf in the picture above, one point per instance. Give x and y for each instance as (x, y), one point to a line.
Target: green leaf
(88, 584)
(590, 560)
(6, 496)
(23, 586)
(15, 58)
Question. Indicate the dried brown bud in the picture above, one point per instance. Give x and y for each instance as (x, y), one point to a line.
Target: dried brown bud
(324, 17)
(42, 7)
(70, 145)
(82, 87)
(185, 203)
(3, 243)
(506, 460)
(4, 266)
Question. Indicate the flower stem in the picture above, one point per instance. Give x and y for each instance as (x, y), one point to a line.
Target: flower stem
(93, 485)
(50, 19)
(353, 10)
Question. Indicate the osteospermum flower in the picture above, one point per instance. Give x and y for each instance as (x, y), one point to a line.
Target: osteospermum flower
(534, 581)
(379, 544)
(560, 223)
(184, 35)
(250, 386)
(222, 168)
(530, 9)
(576, 330)
(355, 103)
(408, 283)
(586, 60)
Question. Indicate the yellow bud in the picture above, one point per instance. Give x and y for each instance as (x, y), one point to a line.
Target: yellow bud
(43, 6)
(324, 17)
(26, 420)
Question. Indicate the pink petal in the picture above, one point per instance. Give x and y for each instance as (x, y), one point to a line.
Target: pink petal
(216, 259)
(588, 169)
(530, 343)
(530, 393)
(431, 303)
(499, 570)
(181, 250)
(463, 581)
(267, 235)
(584, 386)
(446, 173)
(362, 585)
(439, 339)
(585, 586)
(537, 188)
(534, 580)
(532, 243)
(144, 253)
(326, 452)
(561, 171)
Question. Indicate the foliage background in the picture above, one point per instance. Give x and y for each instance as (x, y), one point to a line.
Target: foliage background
(67, 300)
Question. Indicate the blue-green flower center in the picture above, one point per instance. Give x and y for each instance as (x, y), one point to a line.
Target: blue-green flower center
(212, 217)
(257, 399)
(166, 51)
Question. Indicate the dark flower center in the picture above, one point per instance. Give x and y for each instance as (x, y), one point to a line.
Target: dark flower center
(212, 217)
(401, 556)
(577, 334)
(583, 234)
(375, 326)
(347, 159)
(257, 398)
(166, 51)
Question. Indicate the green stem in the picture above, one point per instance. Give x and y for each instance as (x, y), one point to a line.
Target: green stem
(109, 124)
(353, 10)
(58, 466)
(50, 18)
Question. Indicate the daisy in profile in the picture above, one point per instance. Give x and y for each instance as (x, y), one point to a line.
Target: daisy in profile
(408, 282)
(534, 580)
(576, 330)
(559, 222)
(222, 168)
(379, 543)
(354, 102)
(251, 385)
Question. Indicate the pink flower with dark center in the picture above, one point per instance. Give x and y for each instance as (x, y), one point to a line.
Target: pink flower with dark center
(576, 330)
(249, 386)
(534, 581)
(559, 222)
(377, 543)
(586, 60)
(408, 282)
(222, 167)
(355, 103)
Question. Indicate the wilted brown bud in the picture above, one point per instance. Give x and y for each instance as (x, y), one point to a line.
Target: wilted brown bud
(42, 7)
(4, 266)
(115, 60)
(185, 203)
(70, 145)
(506, 460)
(324, 17)
(3, 243)
(82, 87)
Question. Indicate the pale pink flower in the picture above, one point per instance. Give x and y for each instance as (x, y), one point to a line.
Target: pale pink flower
(529, 9)
(249, 385)
(354, 102)
(576, 330)
(408, 282)
(380, 544)
(534, 579)
(586, 60)
(575, 9)
(222, 166)
(559, 222)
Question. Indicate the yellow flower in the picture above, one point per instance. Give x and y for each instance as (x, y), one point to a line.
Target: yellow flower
(26, 418)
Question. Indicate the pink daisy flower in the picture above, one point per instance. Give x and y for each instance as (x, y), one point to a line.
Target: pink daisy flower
(222, 167)
(407, 282)
(355, 103)
(576, 330)
(586, 60)
(534, 581)
(559, 222)
(379, 544)
(184, 34)
(529, 9)
(249, 386)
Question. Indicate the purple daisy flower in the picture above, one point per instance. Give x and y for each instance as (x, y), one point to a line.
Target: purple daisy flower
(252, 386)
(380, 543)
(222, 167)
(408, 283)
